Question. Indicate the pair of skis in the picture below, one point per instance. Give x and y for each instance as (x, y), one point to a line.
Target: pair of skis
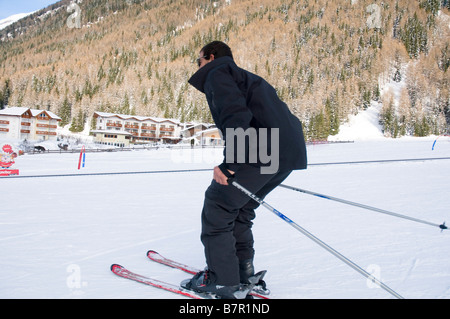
(155, 256)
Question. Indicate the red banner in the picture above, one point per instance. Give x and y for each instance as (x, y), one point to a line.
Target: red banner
(9, 172)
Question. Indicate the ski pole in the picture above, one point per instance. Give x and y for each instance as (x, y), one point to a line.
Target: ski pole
(315, 239)
(442, 226)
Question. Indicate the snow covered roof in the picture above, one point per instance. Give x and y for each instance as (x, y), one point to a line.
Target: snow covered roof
(136, 117)
(211, 130)
(50, 114)
(19, 111)
(191, 126)
(14, 111)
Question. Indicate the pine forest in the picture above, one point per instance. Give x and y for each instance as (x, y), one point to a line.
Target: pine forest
(326, 59)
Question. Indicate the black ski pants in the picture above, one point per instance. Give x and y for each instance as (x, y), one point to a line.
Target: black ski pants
(227, 221)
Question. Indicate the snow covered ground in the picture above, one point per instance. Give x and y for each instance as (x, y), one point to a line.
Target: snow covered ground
(59, 235)
(11, 19)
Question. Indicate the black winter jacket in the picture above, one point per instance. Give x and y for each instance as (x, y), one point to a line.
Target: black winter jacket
(240, 99)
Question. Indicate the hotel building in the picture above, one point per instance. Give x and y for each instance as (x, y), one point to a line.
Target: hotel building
(25, 123)
(121, 130)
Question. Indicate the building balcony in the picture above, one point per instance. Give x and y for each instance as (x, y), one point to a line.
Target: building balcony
(114, 124)
(45, 133)
(148, 128)
(148, 135)
(131, 126)
(46, 125)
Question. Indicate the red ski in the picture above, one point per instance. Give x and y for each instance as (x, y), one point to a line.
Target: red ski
(125, 273)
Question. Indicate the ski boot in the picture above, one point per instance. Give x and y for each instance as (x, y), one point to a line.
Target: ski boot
(205, 282)
(247, 270)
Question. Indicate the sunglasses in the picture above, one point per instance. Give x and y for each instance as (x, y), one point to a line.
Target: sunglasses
(198, 60)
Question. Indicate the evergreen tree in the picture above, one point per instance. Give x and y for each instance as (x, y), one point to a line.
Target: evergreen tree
(414, 37)
(388, 120)
(65, 112)
(125, 109)
(5, 94)
(78, 122)
(331, 109)
(422, 127)
(397, 76)
(431, 6)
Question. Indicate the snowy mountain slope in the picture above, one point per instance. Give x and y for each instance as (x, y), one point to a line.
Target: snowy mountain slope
(366, 124)
(11, 19)
(363, 126)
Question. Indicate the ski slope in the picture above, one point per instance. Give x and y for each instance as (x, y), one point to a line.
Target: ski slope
(59, 235)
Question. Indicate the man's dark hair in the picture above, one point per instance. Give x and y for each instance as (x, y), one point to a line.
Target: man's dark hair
(218, 49)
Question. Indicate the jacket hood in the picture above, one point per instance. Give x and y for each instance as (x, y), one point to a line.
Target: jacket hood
(198, 79)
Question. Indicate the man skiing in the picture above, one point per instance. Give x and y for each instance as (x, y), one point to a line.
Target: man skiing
(254, 123)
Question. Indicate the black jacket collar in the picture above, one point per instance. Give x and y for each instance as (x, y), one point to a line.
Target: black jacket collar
(199, 77)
